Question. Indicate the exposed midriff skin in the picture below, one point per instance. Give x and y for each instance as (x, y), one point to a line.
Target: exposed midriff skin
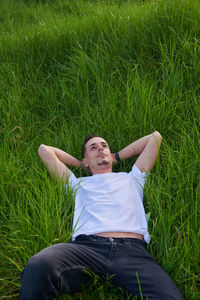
(117, 234)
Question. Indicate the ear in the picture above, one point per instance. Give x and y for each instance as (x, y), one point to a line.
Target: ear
(113, 157)
(84, 161)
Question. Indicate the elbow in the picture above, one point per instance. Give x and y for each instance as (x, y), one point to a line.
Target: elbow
(158, 137)
(41, 150)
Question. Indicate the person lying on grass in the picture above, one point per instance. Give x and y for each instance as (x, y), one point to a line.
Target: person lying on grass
(109, 226)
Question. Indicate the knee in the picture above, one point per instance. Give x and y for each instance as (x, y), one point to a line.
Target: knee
(37, 277)
(37, 267)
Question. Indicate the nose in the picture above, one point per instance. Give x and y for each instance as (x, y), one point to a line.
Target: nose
(100, 147)
(100, 150)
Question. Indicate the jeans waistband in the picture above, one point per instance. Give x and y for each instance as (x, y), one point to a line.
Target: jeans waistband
(125, 241)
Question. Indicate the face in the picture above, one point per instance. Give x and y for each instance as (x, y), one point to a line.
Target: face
(98, 156)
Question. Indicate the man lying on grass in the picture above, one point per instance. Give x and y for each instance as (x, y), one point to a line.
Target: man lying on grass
(109, 226)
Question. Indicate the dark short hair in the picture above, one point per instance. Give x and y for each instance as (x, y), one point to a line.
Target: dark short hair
(87, 138)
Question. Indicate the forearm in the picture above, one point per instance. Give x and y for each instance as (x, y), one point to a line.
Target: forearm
(137, 147)
(64, 157)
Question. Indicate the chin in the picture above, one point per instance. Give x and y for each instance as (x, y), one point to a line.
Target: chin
(103, 163)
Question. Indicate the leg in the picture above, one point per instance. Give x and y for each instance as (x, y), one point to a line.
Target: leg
(138, 273)
(58, 269)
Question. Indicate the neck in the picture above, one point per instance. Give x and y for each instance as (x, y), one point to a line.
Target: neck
(101, 171)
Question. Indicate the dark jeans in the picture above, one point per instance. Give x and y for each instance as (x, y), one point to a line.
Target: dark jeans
(60, 269)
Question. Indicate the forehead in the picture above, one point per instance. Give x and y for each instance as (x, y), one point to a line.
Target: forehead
(95, 140)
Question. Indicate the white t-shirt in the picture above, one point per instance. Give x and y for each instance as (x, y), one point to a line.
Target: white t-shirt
(109, 202)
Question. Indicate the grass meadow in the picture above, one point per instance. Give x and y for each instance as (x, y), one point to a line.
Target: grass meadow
(121, 69)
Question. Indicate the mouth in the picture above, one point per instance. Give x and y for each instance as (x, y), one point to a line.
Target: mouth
(102, 155)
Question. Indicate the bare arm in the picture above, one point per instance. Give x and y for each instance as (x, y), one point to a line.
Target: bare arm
(56, 160)
(147, 148)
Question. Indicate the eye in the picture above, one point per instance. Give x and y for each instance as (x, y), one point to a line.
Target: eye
(92, 148)
(105, 146)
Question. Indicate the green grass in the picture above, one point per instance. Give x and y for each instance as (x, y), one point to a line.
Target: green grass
(121, 69)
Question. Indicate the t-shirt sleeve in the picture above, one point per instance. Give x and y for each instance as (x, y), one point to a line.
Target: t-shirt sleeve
(72, 182)
(139, 176)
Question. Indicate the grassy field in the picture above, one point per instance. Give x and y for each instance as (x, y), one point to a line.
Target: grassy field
(121, 69)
